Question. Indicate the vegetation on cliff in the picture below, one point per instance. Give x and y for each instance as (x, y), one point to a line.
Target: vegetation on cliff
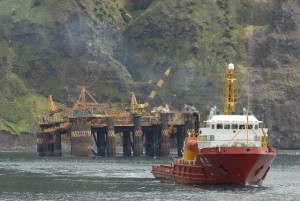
(113, 47)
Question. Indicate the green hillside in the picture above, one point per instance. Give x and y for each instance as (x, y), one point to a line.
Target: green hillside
(113, 47)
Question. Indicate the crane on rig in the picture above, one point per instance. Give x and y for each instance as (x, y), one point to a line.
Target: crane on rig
(54, 114)
(52, 121)
(137, 108)
(159, 84)
(53, 111)
(85, 105)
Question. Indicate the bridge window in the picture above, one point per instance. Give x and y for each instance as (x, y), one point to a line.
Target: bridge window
(219, 126)
(234, 126)
(250, 126)
(242, 126)
(207, 125)
(256, 127)
(260, 125)
(226, 126)
(213, 126)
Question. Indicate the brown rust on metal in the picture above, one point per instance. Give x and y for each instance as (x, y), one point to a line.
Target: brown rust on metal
(87, 112)
(81, 140)
(44, 146)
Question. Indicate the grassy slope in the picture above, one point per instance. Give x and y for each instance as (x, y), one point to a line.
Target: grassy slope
(198, 37)
(47, 47)
(19, 101)
(22, 77)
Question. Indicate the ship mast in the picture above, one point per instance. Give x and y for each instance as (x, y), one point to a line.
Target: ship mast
(229, 104)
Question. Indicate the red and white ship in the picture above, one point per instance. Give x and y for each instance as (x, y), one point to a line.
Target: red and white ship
(230, 149)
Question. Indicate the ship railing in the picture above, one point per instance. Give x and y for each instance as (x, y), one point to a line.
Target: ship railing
(191, 162)
(241, 143)
(206, 138)
(256, 138)
(187, 162)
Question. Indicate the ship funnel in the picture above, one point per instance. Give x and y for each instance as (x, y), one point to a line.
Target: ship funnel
(230, 66)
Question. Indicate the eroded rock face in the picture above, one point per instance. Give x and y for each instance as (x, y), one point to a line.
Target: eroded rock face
(70, 49)
(64, 45)
(22, 142)
(277, 77)
(184, 35)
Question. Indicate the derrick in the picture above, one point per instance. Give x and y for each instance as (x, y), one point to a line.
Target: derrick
(85, 105)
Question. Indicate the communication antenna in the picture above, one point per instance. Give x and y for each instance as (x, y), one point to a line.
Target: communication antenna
(229, 98)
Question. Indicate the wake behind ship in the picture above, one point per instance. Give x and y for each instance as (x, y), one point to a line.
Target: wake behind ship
(230, 149)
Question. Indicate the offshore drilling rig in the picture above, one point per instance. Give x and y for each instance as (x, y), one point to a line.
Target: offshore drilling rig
(88, 124)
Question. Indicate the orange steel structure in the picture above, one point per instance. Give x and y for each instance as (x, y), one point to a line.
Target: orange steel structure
(229, 99)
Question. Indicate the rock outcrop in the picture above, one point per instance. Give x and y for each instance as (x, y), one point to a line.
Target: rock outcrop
(276, 75)
(113, 47)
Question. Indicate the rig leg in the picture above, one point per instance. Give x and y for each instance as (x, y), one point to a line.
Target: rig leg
(57, 145)
(81, 140)
(150, 151)
(110, 138)
(180, 140)
(44, 145)
(156, 144)
(165, 139)
(137, 136)
(197, 122)
(101, 143)
(126, 144)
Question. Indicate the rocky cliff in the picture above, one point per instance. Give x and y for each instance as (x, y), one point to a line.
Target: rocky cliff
(116, 46)
(276, 75)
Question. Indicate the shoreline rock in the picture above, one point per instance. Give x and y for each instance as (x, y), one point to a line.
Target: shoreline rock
(21, 142)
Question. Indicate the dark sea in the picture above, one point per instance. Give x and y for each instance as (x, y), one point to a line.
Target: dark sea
(24, 176)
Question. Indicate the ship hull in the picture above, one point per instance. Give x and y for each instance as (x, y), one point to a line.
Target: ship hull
(220, 165)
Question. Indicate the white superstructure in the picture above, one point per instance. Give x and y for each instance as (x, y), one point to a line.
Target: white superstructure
(231, 130)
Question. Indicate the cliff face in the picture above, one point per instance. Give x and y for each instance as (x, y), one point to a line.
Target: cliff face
(276, 74)
(200, 37)
(56, 47)
(61, 46)
(115, 46)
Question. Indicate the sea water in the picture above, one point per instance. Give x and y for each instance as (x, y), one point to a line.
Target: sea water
(25, 176)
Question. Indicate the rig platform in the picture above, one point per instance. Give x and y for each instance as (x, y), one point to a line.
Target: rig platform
(91, 129)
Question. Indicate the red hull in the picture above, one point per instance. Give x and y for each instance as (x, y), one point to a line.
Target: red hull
(221, 165)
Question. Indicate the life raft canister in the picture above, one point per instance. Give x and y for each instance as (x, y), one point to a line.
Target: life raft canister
(191, 150)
